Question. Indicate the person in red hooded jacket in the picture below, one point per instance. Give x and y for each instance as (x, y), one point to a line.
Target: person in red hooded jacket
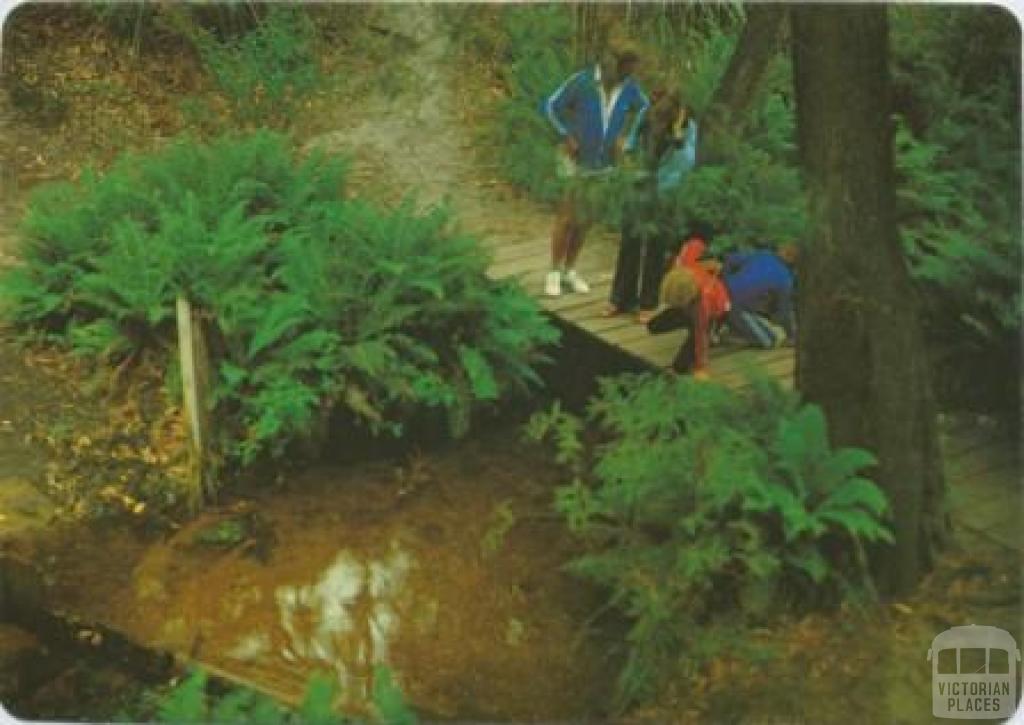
(695, 297)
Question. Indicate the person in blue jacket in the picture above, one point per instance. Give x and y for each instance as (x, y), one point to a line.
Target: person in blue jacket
(597, 113)
(668, 148)
(761, 287)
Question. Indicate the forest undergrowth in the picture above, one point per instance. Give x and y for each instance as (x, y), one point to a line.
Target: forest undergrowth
(98, 95)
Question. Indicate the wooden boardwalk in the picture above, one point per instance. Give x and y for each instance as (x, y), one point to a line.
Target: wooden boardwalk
(528, 261)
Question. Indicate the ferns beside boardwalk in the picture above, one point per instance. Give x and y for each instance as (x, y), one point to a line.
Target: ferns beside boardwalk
(702, 509)
(317, 302)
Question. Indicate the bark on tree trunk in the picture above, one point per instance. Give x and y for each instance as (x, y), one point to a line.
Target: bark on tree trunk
(861, 354)
(737, 90)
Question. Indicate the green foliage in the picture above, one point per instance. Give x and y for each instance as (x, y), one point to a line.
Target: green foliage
(700, 66)
(191, 702)
(958, 161)
(268, 71)
(316, 302)
(388, 701)
(261, 56)
(539, 39)
(965, 256)
(225, 534)
(187, 702)
(318, 706)
(697, 501)
(749, 191)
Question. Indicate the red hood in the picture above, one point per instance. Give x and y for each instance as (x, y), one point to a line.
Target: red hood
(693, 250)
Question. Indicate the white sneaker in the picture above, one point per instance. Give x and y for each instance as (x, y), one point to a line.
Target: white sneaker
(553, 283)
(576, 283)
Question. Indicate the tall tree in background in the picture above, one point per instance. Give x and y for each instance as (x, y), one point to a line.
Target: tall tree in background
(737, 90)
(861, 354)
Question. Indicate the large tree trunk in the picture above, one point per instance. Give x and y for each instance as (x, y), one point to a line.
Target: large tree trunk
(736, 92)
(861, 355)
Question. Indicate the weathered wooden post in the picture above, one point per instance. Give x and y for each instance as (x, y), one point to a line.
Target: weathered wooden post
(195, 378)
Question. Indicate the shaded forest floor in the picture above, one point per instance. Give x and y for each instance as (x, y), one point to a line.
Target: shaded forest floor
(505, 621)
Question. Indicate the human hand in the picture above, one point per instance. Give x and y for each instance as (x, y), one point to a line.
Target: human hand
(572, 146)
(679, 122)
(620, 147)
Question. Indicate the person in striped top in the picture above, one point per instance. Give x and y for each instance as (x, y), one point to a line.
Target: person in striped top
(597, 113)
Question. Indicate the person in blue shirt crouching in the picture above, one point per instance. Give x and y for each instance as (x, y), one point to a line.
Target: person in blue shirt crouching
(761, 288)
(597, 113)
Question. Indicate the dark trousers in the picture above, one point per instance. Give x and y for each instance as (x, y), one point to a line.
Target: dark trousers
(642, 257)
(676, 318)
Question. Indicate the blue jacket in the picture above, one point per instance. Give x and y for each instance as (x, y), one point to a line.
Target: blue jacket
(751, 277)
(575, 109)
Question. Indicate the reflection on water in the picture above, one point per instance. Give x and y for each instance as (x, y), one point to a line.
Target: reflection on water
(345, 620)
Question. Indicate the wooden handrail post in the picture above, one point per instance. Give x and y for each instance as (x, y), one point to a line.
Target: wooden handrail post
(195, 376)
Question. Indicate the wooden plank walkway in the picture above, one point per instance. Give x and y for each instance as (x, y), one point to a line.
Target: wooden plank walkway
(528, 260)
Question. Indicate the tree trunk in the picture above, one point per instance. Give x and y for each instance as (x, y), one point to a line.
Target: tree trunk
(861, 354)
(735, 93)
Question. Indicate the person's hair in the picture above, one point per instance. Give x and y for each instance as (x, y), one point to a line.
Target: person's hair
(663, 112)
(627, 56)
(703, 229)
(689, 113)
(788, 252)
(679, 288)
(623, 51)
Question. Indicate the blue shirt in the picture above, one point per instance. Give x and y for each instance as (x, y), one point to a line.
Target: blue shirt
(575, 109)
(751, 277)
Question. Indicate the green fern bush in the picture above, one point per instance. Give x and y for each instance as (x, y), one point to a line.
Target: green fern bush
(700, 506)
(316, 302)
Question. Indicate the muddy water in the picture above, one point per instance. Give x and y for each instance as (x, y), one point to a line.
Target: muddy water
(446, 568)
